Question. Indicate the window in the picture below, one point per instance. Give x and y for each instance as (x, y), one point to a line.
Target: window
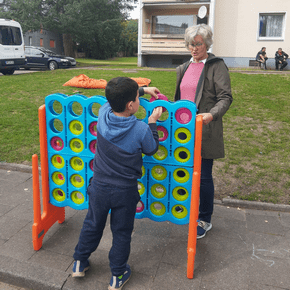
(52, 43)
(172, 24)
(271, 26)
(10, 35)
(30, 40)
(41, 41)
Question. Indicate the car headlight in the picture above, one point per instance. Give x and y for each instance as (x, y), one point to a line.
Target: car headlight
(64, 60)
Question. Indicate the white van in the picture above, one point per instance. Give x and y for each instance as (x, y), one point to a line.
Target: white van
(12, 54)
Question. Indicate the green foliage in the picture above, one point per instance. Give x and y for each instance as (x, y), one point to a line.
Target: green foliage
(129, 37)
(97, 25)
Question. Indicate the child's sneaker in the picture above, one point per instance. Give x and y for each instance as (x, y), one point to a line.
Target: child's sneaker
(202, 228)
(118, 282)
(80, 267)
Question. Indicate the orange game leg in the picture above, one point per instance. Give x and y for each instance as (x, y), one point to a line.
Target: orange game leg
(51, 214)
(194, 204)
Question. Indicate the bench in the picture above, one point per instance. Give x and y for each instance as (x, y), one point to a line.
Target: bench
(253, 62)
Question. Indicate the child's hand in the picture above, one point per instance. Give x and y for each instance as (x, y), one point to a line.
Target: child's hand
(156, 114)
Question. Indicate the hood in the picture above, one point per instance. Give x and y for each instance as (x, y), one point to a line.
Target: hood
(112, 127)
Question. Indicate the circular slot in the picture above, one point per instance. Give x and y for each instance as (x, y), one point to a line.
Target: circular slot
(183, 115)
(77, 180)
(159, 172)
(180, 193)
(56, 143)
(158, 190)
(58, 195)
(179, 211)
(162, 133)
(182, 154)
(58, 178)
(55, 107)
(93, 128)
(92, 164)
(141, 188)
(181, 175)
(161, 154)
(182, 135)
(77, 197)
(75, 109)
(157, 208)
(94, 108)
(140, 207)
(93, 146)
(77, 163)
(76, 127)
(76, 145)
(57, 161)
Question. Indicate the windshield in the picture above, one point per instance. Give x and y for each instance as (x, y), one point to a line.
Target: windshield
(47, 51)
(10, 35)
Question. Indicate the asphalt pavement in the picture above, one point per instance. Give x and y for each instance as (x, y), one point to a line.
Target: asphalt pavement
(248, 247)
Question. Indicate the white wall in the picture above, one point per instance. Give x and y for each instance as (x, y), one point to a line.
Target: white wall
(236, 27)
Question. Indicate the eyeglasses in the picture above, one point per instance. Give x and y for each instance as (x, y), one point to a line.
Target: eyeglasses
(199, 44)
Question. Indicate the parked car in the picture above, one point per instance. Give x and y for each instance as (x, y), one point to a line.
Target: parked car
(12, 55)
(40, 57)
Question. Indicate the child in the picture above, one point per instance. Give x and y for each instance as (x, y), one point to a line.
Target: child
(117, 165)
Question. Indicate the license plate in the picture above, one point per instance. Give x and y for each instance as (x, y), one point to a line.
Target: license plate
(9, 62)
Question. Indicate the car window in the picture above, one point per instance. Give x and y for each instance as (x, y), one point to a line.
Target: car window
(36, 52)
(10, 35)
(27, 51)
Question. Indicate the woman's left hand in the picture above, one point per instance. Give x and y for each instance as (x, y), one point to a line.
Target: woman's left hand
(206, 118)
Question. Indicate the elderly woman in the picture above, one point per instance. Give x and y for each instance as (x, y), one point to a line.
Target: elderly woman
(205, 80)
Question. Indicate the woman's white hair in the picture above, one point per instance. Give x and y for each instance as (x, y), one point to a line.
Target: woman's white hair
(203, 30)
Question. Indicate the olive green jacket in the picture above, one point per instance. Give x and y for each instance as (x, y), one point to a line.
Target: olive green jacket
(213, 95)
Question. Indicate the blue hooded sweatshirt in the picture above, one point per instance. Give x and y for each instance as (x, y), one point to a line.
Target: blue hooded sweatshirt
(120, 144)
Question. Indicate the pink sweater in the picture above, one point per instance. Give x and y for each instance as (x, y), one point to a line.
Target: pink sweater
(190, 80)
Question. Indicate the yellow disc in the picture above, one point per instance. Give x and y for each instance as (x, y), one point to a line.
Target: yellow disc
(77, 163)
(57, 161)
(141, 188)
(159, 172)
(182, 135)
(179, 211)
(180, 193)
(76, 145)
(182, 154)
(77, 197)
(181, 175)
(77, 180)
(157, 208)
(158, 190)
(58, 178)
(76, 127)
(58, 194)
(161, 154)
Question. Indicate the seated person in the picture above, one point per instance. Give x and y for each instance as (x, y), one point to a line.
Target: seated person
(262, 56)
(280, 58)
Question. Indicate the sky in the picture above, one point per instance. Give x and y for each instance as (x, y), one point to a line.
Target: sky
(134, 14)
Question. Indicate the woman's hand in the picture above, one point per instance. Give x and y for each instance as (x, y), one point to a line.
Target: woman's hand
(206, 118)
(151, 91)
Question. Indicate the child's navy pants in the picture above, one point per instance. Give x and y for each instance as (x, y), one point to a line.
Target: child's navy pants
(122, 202)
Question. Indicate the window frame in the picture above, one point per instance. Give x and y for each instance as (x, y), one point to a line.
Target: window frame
(154, 35)
(274, 38)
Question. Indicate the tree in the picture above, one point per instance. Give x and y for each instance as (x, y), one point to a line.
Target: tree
(129, 37)
(91, 22)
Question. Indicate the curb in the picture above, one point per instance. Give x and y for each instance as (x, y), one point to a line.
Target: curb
(225, 201)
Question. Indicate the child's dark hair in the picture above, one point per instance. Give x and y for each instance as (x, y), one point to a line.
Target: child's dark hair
(119, 91)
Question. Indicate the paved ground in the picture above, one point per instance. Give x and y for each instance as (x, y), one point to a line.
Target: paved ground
(247, 249)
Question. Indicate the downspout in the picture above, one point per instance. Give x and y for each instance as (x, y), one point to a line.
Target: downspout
(212, 18)
(140, 28)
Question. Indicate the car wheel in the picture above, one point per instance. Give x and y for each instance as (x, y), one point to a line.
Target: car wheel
(8, 71)
(52, 65)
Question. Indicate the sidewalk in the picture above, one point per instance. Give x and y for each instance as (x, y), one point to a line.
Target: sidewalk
(247, 249)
